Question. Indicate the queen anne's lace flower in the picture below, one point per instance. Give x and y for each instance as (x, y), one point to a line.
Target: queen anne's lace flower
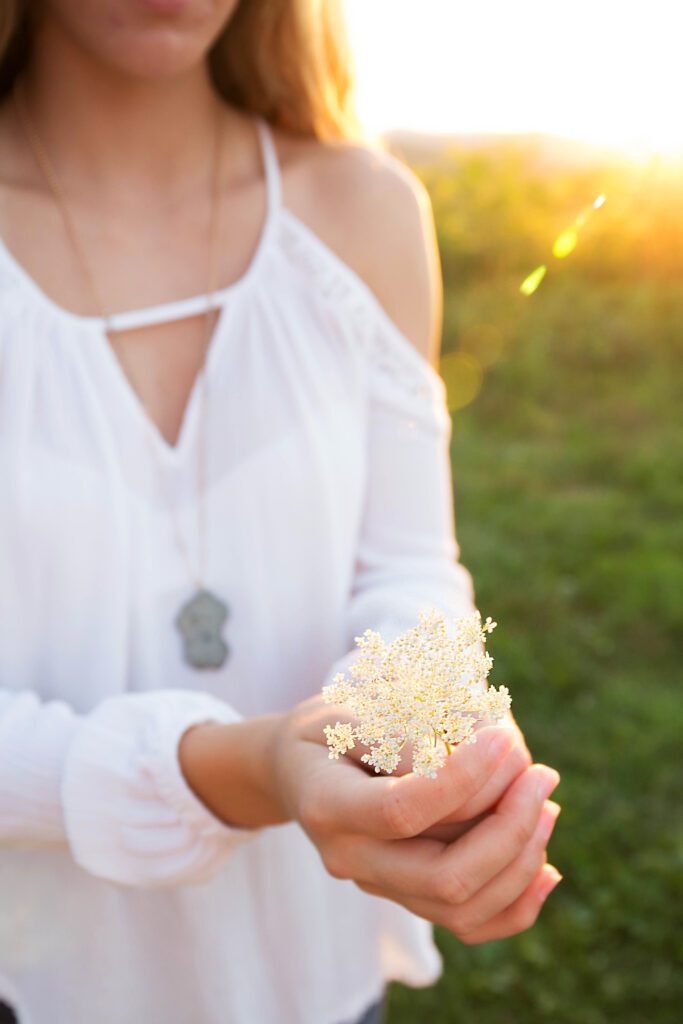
(426, 687)
(339, 738)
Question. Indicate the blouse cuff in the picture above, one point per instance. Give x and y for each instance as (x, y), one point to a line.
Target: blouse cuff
(130, 815)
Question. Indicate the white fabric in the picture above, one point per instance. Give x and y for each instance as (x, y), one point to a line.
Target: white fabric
(329, 510)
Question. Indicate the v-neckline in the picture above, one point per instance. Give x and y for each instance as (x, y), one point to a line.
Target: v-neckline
(223, 299)
(170, 453)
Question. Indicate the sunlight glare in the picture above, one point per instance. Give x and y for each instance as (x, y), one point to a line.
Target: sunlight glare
(607, 73)
(531, 283)
(565, 243)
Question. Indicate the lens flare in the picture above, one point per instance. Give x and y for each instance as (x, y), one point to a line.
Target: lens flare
(564, 244)
(462, 374)
(531, 283)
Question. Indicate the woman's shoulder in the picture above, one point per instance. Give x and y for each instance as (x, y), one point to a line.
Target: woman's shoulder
(374, 212)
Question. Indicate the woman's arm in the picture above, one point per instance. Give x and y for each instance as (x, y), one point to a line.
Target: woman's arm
(230, 769)
(379, 831)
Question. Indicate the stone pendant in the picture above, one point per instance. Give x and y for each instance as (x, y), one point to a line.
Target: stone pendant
(199, 623)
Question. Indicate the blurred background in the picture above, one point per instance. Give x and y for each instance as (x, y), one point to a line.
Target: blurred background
(551, 141)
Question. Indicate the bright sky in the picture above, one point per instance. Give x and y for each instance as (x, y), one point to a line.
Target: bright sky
(610, 71)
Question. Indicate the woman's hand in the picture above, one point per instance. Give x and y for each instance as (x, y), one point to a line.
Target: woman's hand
(375, 830)
(465, 850)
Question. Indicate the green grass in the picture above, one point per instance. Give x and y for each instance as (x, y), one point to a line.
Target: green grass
(569, 512)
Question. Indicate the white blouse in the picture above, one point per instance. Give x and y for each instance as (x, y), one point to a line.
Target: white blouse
(329, 510)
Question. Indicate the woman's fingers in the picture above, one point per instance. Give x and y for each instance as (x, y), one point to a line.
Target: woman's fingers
(498, 894)
(503, 890)
(345, 799)
(508, 904)
(448, 832)
(521, 914)
(478, 856)
(518, 917)
(452, 874)
(518, 759)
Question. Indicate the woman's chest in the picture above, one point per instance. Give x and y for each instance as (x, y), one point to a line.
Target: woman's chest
(105, 528)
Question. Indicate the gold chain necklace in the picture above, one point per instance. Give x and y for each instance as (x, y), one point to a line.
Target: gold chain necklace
(201, 619)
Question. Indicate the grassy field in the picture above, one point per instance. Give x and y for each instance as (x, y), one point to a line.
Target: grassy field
(569, 512)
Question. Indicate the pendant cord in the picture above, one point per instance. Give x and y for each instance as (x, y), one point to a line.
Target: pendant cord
(45, 166)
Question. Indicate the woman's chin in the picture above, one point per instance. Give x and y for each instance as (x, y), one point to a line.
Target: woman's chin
(157, 54)
(145, 39)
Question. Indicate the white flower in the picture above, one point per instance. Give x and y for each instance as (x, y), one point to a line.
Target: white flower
(426, 687)
(339, 739)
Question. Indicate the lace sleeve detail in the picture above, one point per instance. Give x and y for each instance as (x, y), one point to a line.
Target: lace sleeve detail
(408, 556)
(390, 354)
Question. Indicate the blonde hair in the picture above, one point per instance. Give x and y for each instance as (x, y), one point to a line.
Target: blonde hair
(288, 60)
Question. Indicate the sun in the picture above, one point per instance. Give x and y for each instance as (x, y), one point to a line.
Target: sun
(609, 73)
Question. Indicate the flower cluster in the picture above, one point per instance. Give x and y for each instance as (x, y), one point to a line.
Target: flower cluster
(426, 688)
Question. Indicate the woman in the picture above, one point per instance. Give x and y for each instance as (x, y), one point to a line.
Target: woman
(224, 453)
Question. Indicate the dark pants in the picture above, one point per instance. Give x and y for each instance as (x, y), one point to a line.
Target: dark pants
(373, 1015)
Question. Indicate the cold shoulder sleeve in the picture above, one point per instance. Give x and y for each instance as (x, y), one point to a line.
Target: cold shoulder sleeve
(108, 785)
(408, 556)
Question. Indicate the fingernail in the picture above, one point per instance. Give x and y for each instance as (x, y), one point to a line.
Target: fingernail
(548, 818)
(552, 882)
(547, 783)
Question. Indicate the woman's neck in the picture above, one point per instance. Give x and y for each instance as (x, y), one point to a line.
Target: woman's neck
(110, 131)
